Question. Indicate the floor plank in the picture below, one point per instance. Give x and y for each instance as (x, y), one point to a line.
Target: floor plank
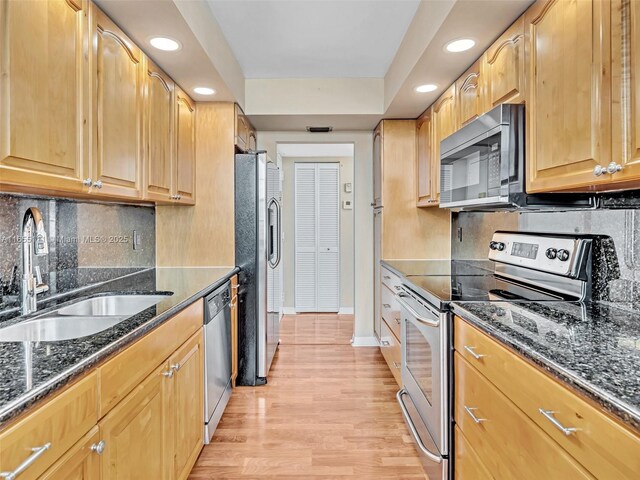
(328, 411)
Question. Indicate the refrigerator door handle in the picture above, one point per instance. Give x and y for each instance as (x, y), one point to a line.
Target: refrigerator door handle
(274, 231)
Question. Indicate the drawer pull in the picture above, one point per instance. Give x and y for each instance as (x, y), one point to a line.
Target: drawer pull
(37, 453)
(548, 414)
(385, 343)
(397, 287)
(98, 447)
(396, 365)
(175, 367)
(168, 374)
(387, 277)
(473, 353)
(386, 305)
(475, 419)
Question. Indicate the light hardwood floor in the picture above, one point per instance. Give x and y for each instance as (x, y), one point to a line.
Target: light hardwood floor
(328, 411)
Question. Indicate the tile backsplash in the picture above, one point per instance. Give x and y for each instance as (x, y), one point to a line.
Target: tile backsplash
(88, 242)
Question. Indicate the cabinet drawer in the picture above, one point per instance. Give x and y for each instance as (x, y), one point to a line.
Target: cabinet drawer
(390, 348)
(61, 422)
(121, 374)
(390, 279)
(506, 440)
(391, 310)
(468, 463)
(603, 446)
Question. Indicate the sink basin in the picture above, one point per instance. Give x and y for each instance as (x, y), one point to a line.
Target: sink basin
(55, 328)
(110, 305)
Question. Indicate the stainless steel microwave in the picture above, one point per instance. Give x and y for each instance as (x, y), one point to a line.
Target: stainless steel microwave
(482, 167)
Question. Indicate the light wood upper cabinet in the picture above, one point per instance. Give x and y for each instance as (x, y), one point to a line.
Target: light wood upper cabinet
(377, 166)
(444, 120)
(186, 148)
(242, 130)
(42, 89)
(470, 93)
(425, 184)
(118, 110)
(253, 140)
(504, 68)
(159, 133)
(187, 405)
(569, 105)
(81, 462)
(137, 433)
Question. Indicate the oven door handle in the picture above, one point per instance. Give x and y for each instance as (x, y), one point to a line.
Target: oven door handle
(414, 433)
(428, 321)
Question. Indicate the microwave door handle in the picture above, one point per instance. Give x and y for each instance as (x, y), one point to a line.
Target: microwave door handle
(420, 318)
(412, 428)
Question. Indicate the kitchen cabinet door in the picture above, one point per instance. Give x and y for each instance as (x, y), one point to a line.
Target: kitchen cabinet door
(444, 124)
(118, 110)
(137, 433)
(377, 166)
(569, 104)
(185, 190)
(504, 67)
(469, 103)
(424, 169)
(159, 161)
(186, 412)
(81, 462)
(42, 95)
(242, 130)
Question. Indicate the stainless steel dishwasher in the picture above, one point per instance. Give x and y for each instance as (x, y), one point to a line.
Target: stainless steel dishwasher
(217, 353)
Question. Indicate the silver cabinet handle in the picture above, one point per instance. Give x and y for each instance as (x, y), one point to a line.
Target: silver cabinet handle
(412, 429)
(175, 367)
(168, 374)
(37, 453)
(397, 365)
(386, 305)
(475, 419)
(599, 170)
(613, 167)
(178, 197)
(98, 447)
(387, 277)
(87, 182)
(548, 414)
(98, 184)
(473, 353)
(398, 321)
(385, 343)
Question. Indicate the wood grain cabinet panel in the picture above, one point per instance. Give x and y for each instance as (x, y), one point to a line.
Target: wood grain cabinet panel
(242, 129)
(444, 124)
(118, 110)
(187, 405)
(507, 441)
(186, 148)
(159, 161)
(137, 432)
(42, 95)
(468, 465)
(504, 67)
(425, 183)
(60, 422)
(469, 89)
(601, 445)
(81, 462)
(390, 348)
(569, 104)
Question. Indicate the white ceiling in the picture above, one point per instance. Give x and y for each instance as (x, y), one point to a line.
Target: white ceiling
(315, 149)
(314, 38)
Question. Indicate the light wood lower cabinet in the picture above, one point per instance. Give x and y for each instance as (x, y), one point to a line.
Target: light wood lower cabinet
(81, 462)
(468, 465)
(391, 350)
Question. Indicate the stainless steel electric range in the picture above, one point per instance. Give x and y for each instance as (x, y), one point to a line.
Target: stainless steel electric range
(527, 267)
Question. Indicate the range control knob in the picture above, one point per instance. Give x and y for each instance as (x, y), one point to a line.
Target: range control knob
(563, 255)
(492, 246)
(551, 253)
(500, 246)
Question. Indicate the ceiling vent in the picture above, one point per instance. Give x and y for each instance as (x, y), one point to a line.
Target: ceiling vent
(319, 129)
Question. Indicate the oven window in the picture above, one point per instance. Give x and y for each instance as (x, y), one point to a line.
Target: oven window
(420, 360)
(472, 173)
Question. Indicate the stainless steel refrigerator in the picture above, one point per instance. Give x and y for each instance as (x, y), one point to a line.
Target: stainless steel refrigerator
(258, 237)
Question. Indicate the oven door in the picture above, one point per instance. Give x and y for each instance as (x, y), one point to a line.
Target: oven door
(424, 375)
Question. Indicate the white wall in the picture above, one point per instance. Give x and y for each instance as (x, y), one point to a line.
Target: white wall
(363, 219)
(346, 228)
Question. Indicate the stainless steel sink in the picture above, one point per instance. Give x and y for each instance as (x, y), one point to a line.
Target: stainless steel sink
(86, 317)
(55, 328)
(119, 305)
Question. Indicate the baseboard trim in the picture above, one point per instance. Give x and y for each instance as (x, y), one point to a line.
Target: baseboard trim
(345, 311)
(364, 342)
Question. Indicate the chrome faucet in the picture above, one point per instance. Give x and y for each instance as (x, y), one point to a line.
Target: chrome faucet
(33, 243)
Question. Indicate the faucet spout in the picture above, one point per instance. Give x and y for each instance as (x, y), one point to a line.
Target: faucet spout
(34, 242)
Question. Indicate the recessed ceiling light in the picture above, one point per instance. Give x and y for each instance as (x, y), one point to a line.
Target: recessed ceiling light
(164, 43)
(204, 91)
(429, 87)
(460, 45)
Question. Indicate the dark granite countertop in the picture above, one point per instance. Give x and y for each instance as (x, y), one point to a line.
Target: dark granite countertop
(593, 347)
(55, 364)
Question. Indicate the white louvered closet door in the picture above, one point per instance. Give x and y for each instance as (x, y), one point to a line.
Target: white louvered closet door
(317, 242)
